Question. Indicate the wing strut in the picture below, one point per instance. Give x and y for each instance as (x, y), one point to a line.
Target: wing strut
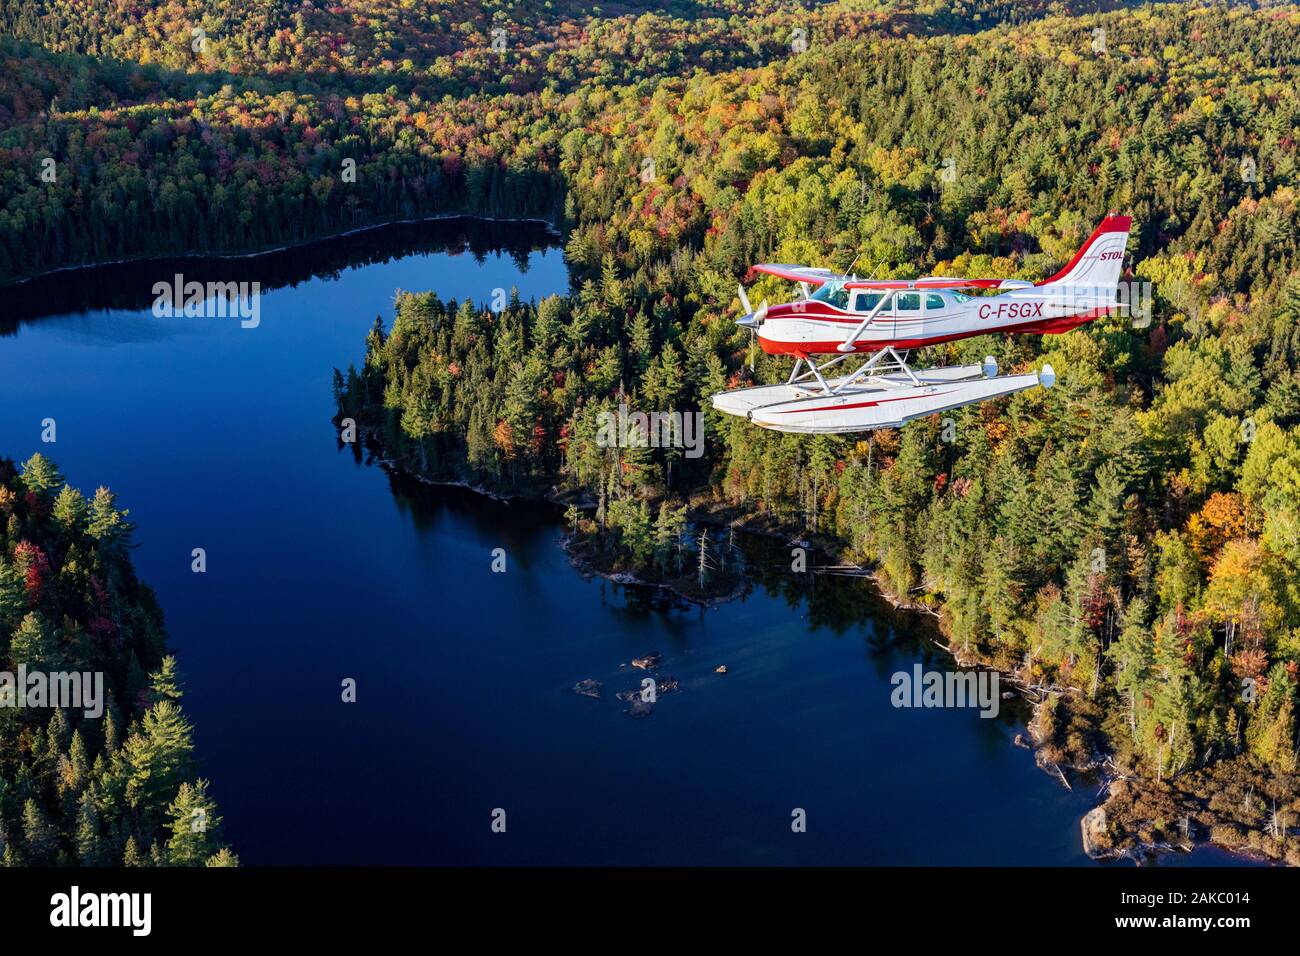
(849, 345)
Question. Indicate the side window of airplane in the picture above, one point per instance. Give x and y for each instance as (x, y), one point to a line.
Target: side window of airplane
(908, 302)
(866, 301)
(832, 293)
(839, 297)
(934, 302)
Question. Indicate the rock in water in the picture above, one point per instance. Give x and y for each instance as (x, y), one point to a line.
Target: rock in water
(588, 688)
(639, 708)
(647, 663)
(720, 669)
(1096, 841)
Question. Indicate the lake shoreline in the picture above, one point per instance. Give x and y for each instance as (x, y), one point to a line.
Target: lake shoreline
(300, 244)
(587, 567)
(556, 499)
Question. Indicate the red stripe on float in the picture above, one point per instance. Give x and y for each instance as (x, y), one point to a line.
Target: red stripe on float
(873, 404)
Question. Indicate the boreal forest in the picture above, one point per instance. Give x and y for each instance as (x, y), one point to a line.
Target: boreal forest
(1124, 545)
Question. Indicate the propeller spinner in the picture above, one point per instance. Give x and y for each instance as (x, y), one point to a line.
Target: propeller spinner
(752, 318)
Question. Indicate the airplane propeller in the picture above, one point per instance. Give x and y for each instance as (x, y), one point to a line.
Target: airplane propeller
(751, 320)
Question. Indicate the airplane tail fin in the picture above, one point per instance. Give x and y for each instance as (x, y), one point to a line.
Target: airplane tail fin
(1100, 261)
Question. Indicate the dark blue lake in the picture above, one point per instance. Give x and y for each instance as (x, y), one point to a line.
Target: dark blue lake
(321, 567)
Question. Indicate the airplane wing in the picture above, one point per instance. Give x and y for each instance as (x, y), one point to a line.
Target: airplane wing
(937, 282)
(797, 273)
(816, 277)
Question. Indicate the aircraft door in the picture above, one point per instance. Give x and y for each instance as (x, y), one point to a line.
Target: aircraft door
(883, 324)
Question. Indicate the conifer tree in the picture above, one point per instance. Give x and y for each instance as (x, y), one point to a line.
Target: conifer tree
(108, 524)
(39, 476)
(165, 683)
(222, 858)
(157, 756)
(40, 838)
(194, 826)
(92, 850)
(132, 856)
(34, 644)
(70, 510)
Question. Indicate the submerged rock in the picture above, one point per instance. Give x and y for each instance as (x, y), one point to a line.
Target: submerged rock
(662, 685)
(636, 707)
(720, 669)
(647, 663)
(588, 688)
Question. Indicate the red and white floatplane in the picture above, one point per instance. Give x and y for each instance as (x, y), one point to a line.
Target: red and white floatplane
(882, 319)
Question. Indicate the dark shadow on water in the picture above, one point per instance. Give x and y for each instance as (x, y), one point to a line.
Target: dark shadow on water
(519, 523)
(129, 285)
(840, 605)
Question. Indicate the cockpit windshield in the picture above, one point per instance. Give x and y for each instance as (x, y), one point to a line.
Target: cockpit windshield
(832, 293)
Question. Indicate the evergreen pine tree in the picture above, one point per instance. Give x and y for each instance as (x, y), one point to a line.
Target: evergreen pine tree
(194, 826)
(40, 838)
(132, 855)
(39, 476)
